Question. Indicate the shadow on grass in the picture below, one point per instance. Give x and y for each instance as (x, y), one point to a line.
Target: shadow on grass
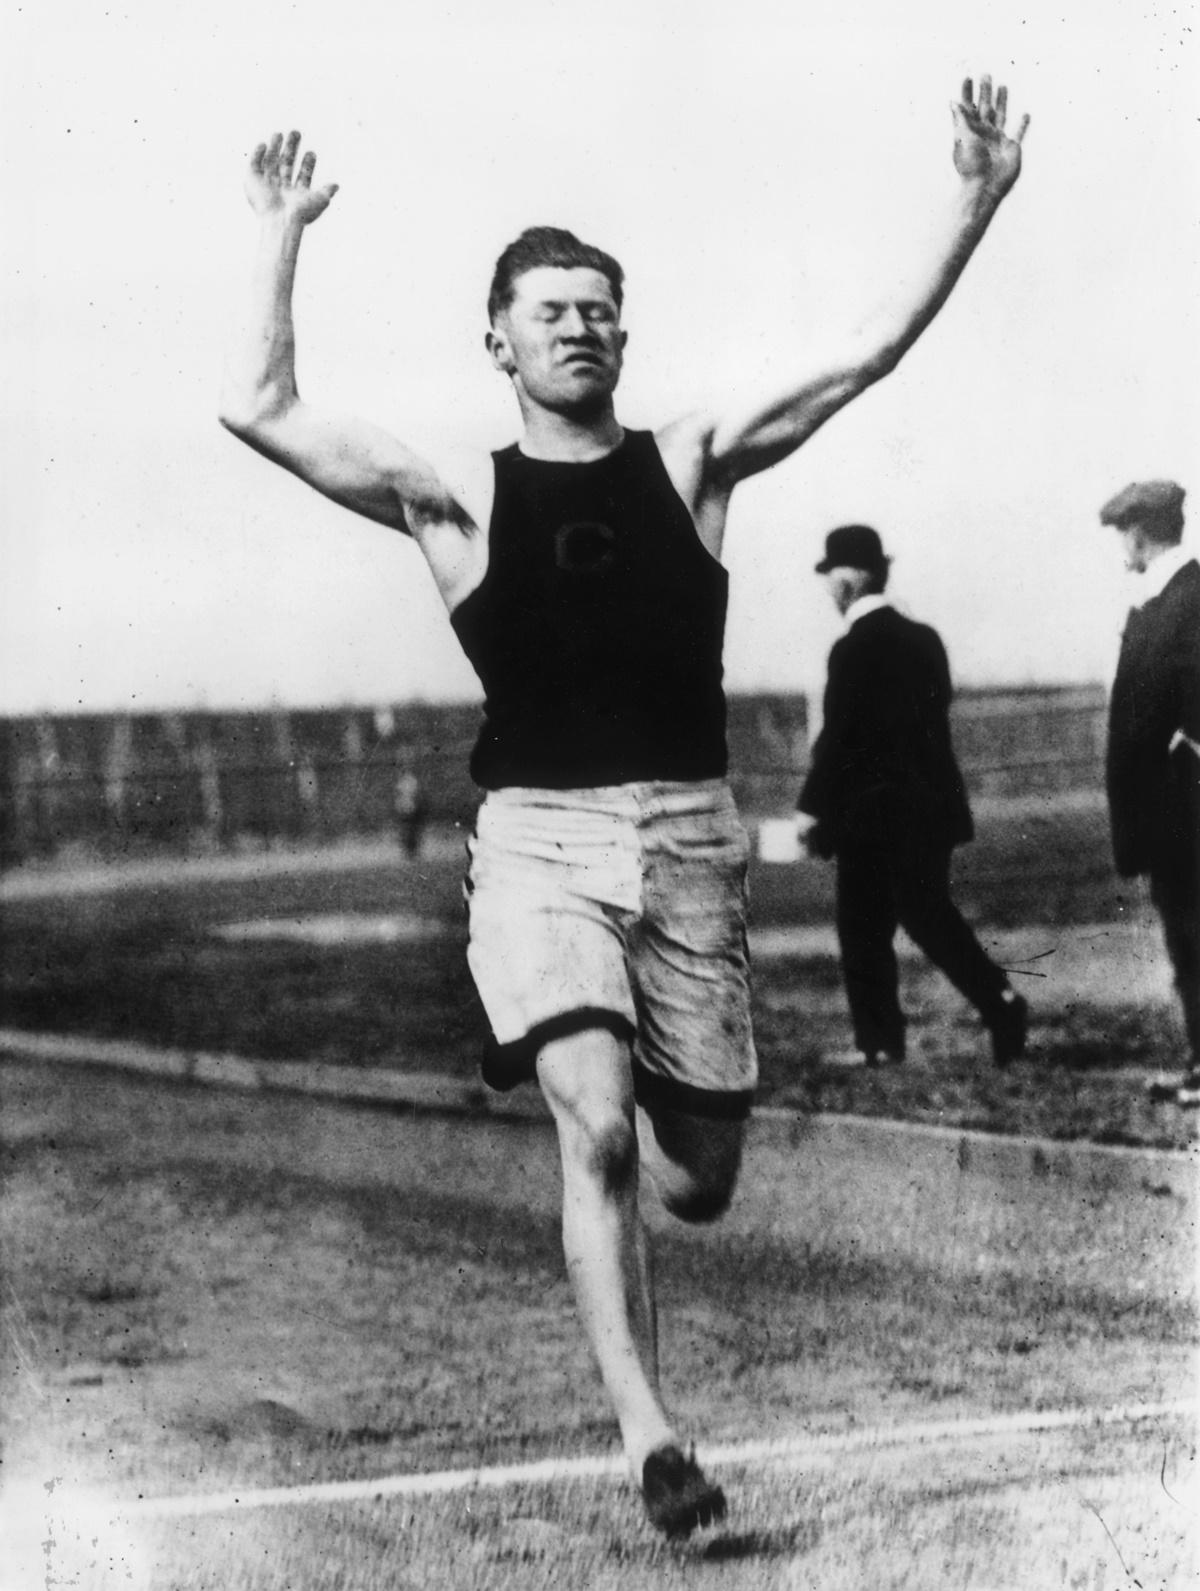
(783, 1541)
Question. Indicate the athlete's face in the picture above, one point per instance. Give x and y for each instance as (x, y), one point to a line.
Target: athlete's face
(560, 339)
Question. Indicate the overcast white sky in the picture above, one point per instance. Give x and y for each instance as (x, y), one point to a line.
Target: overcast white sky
(758, 174)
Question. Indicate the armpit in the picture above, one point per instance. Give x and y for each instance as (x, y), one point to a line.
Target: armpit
(430, 506)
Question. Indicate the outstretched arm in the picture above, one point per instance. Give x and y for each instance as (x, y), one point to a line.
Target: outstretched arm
(356, 464)
(988, 162)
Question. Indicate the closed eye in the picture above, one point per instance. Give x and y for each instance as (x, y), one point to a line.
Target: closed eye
(596, 314)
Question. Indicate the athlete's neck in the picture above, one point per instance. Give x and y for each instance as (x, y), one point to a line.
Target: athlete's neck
(569, 439)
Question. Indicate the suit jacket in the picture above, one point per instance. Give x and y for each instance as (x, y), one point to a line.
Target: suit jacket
(883, 770)
(1154, 792)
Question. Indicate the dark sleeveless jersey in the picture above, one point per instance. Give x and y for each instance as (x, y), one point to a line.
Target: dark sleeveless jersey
(598, 629)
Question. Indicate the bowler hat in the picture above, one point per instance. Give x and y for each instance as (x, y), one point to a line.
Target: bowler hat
(1154, 504)
(853, 547)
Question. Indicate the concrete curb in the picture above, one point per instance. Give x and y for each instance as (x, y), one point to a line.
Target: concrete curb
(941, 1152)
(369, 1086)
(924, 1150)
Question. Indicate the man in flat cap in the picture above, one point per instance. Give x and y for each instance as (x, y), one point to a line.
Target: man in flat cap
(889, 803)
(1153, 760)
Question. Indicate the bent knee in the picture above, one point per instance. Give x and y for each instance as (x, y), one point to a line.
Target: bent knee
(693, 1162)
(697, 1202)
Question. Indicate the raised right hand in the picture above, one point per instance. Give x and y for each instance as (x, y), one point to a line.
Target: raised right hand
(276, 186)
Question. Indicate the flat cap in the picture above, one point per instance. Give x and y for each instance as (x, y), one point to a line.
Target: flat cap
(1150, 503)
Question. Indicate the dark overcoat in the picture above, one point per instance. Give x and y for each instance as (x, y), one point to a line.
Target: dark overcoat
(1154, 791)
(883, 770)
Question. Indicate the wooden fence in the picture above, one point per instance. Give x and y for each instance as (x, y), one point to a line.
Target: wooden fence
(187, 782)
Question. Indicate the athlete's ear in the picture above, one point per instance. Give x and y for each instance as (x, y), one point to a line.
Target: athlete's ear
(497, 346)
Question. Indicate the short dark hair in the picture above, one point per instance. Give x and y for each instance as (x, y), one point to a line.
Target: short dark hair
(548, 245)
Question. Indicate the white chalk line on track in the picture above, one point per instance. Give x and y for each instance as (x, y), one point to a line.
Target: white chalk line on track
(779, 1453)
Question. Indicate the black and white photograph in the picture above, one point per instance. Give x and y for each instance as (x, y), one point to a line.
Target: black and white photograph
(600, 797)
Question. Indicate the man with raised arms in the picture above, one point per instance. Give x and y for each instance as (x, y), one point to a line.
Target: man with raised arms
(580, 570)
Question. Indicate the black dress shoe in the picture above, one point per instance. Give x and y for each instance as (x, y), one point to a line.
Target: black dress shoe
(1009, 1029)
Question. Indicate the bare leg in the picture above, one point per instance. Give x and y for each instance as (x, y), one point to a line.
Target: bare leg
(588, 1085)
(693, 1161)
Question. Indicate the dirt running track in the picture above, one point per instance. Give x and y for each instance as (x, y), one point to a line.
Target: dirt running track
(206, 1290)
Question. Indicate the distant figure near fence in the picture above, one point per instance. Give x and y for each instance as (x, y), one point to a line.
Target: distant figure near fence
(580, 570)
(888, 801)
(411, 812)
(1153, 765)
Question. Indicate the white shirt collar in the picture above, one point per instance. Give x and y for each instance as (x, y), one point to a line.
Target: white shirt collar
(1158, 576)
(859, 608)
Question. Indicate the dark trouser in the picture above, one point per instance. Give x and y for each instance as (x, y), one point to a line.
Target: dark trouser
(880, 889)
(1176, 895)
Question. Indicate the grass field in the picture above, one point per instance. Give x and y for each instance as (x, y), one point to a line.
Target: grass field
(152, 963)
(210, 1292)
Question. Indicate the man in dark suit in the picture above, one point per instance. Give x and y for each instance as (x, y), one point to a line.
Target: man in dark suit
(1153, 762)
(889, 803)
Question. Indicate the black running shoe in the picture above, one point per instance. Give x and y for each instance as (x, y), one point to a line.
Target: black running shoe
(678, 1497)
(1009, 1028)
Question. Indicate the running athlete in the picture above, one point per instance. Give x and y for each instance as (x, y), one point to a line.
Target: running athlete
(580, 569)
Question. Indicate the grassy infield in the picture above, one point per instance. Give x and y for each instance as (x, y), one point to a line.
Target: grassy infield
(143, 964)
(207, 1291)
